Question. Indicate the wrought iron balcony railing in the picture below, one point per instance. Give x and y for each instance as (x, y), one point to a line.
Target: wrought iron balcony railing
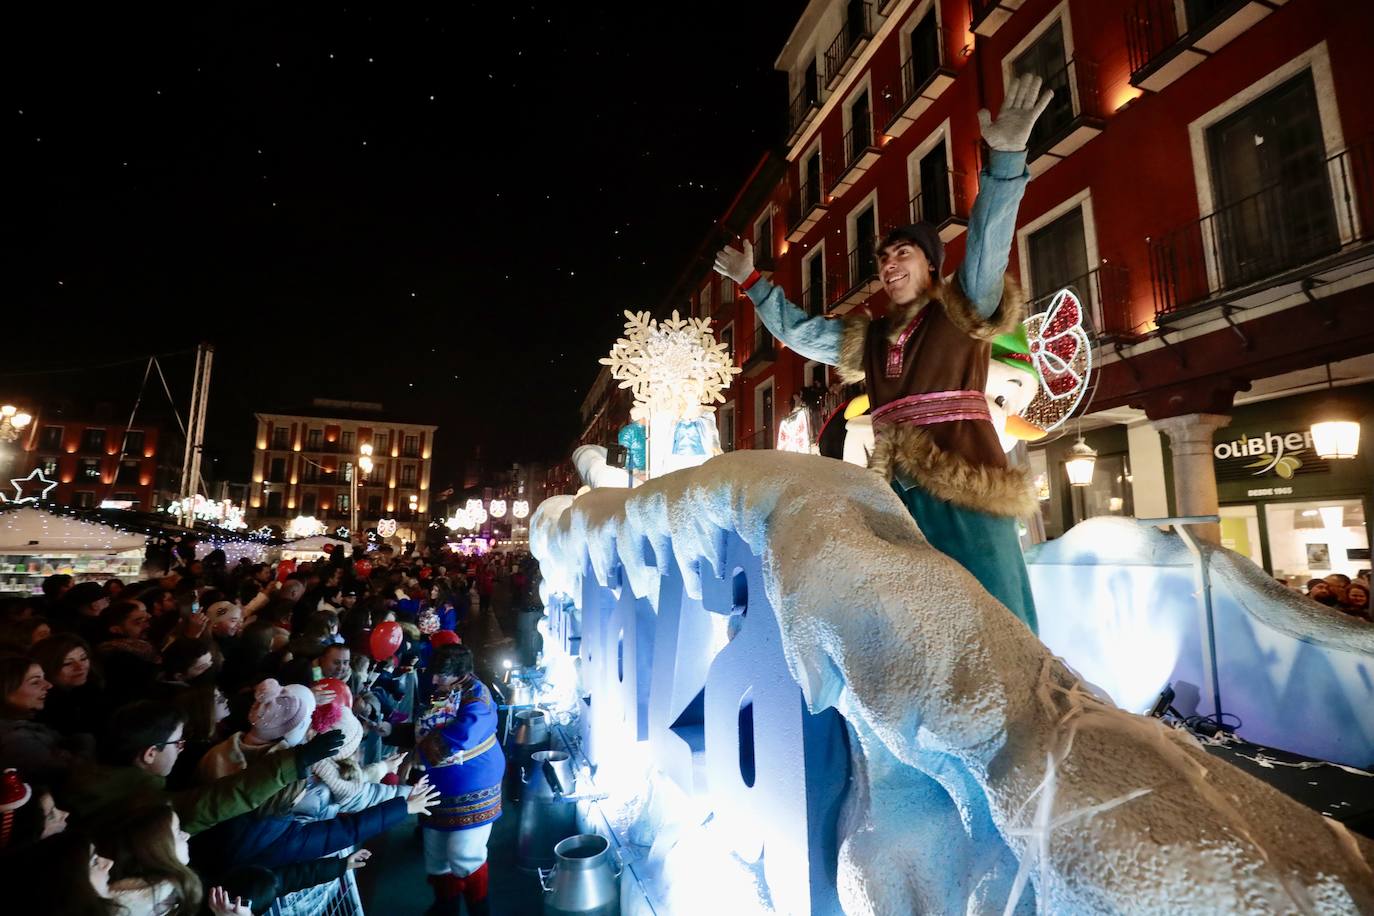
(944, 205)
(1074, 115)
(1161, 48)
(1105, 294)
(1308, 216)
(856, 32)
(801, 110)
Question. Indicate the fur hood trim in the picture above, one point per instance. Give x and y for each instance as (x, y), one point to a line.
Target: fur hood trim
(851, 366)
(951, 477)
(1010, 311)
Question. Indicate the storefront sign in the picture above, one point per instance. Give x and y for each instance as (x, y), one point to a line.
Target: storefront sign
(1270, 491)
(1281, 453)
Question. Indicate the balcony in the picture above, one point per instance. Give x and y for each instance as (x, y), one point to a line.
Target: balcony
(945, 206)
(1312, 221)
(923, 80)
(861, 152)
(1105, 293)
(991, 15)
(854, 35)
(1165, 39)
(805, 210)
(759, 352)
(1074, 117)
(813, 300)
(860, 280)
(801, 112)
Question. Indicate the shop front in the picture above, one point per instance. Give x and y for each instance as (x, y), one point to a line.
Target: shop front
(1298, 516)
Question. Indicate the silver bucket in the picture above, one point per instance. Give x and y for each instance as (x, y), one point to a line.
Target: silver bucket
(531, 731)
(547, 816)
(584, 880)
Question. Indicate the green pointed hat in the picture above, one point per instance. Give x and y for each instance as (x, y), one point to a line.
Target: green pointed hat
(1013, 349)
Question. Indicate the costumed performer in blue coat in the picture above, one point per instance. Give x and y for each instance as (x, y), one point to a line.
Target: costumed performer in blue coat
(456, 740)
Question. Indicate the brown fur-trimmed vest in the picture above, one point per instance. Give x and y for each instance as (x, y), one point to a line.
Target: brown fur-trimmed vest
(960, 461)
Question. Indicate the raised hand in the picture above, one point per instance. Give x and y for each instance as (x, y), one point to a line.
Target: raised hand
(422, 797)
(736, 264)
(358, 859)
(221, 905)
(1020, 109)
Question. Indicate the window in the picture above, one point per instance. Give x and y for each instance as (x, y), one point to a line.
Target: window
(281, 438)
(727, 337)
(811, 181)
(341, 503)
(925, 53)
(348, 472)
(1058, 254)
(308, 503)
(278, 471)
(1268, 167)
(374, 506)
(860, 135)
(813, 279)
(310, 473)
(274, 503)
(346, 441)
(407, 475)
(83, 499)
(1312, 540)
(380, 443)
(50, 439)
(314, 440)
(727, 291)
(90, 469)
(48, 465)
(726, 418)
(763, 401)
(93, 440)
(128, 472)
(763, 241)
(863, 245)
(1046, 58)
(933, 197)
(133, 442)
(707, 301)
(412, 447)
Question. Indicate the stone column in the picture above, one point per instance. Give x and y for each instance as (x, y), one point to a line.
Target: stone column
(1195, 479)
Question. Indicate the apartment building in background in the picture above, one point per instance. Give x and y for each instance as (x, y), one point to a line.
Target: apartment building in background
(305, 461)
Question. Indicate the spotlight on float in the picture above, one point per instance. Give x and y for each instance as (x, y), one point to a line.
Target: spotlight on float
(1079, 466)
(1337, 436)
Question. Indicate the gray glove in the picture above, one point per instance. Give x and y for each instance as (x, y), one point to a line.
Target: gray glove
(1020, 109)
(735, 264)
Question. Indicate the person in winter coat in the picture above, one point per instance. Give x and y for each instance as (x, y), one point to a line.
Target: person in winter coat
(77, 703)
(277, 841)
(457, 742)
(280, 719)
(37, 751)
(147, 739)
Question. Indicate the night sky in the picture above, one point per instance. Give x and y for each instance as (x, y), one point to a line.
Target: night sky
(442, 209)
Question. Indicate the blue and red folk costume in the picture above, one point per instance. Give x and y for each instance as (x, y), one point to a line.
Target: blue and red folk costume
(457, 741)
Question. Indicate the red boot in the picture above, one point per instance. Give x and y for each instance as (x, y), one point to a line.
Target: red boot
(475, 892)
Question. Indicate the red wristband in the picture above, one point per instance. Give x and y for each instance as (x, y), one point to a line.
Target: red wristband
(750, 281)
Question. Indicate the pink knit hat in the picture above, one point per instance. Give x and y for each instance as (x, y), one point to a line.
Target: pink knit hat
(278, 711)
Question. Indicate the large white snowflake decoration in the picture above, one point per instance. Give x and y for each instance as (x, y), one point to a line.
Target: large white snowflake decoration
(671, 367)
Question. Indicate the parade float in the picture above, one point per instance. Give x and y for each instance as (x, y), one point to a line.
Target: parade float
(786, 701)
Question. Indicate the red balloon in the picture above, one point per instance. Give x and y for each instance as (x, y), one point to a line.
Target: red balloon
(445, 638)
(363, 568)
(386, 639)
(328, 548)
(341, 692)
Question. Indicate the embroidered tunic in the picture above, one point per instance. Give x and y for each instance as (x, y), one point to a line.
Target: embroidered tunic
(457, 742)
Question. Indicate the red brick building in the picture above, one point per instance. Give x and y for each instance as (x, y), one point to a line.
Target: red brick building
(1204, 178)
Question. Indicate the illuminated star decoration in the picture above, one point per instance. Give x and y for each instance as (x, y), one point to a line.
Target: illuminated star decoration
(1062, 353)
(672, 367)
(19, 482)
(342, 533)
(264, 532)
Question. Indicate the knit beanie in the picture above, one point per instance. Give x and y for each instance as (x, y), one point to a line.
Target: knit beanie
(925, 237)
(277, 711)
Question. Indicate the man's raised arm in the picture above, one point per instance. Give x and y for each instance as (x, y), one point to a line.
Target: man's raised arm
(813, 336)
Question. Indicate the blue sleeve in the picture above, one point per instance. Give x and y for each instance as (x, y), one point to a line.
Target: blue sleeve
(991, 226)
(301, 842)
(813, 336)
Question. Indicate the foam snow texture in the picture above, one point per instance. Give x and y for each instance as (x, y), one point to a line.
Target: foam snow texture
(987, 777)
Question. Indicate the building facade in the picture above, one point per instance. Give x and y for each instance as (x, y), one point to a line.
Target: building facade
(305, 462)
(94, 459)
(1203, 179)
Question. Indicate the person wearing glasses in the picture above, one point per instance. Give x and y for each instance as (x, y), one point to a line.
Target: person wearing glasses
(146, 738)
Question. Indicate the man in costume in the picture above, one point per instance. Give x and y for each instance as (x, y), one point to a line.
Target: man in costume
(926, 363)
(457, 743)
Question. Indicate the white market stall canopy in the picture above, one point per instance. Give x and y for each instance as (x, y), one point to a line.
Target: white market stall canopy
(311, 546)
(27, 530)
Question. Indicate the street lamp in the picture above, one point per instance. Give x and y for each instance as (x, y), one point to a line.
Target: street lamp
(364, 467)
(13, 422)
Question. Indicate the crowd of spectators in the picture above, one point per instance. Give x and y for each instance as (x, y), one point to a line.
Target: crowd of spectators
(215, 738)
